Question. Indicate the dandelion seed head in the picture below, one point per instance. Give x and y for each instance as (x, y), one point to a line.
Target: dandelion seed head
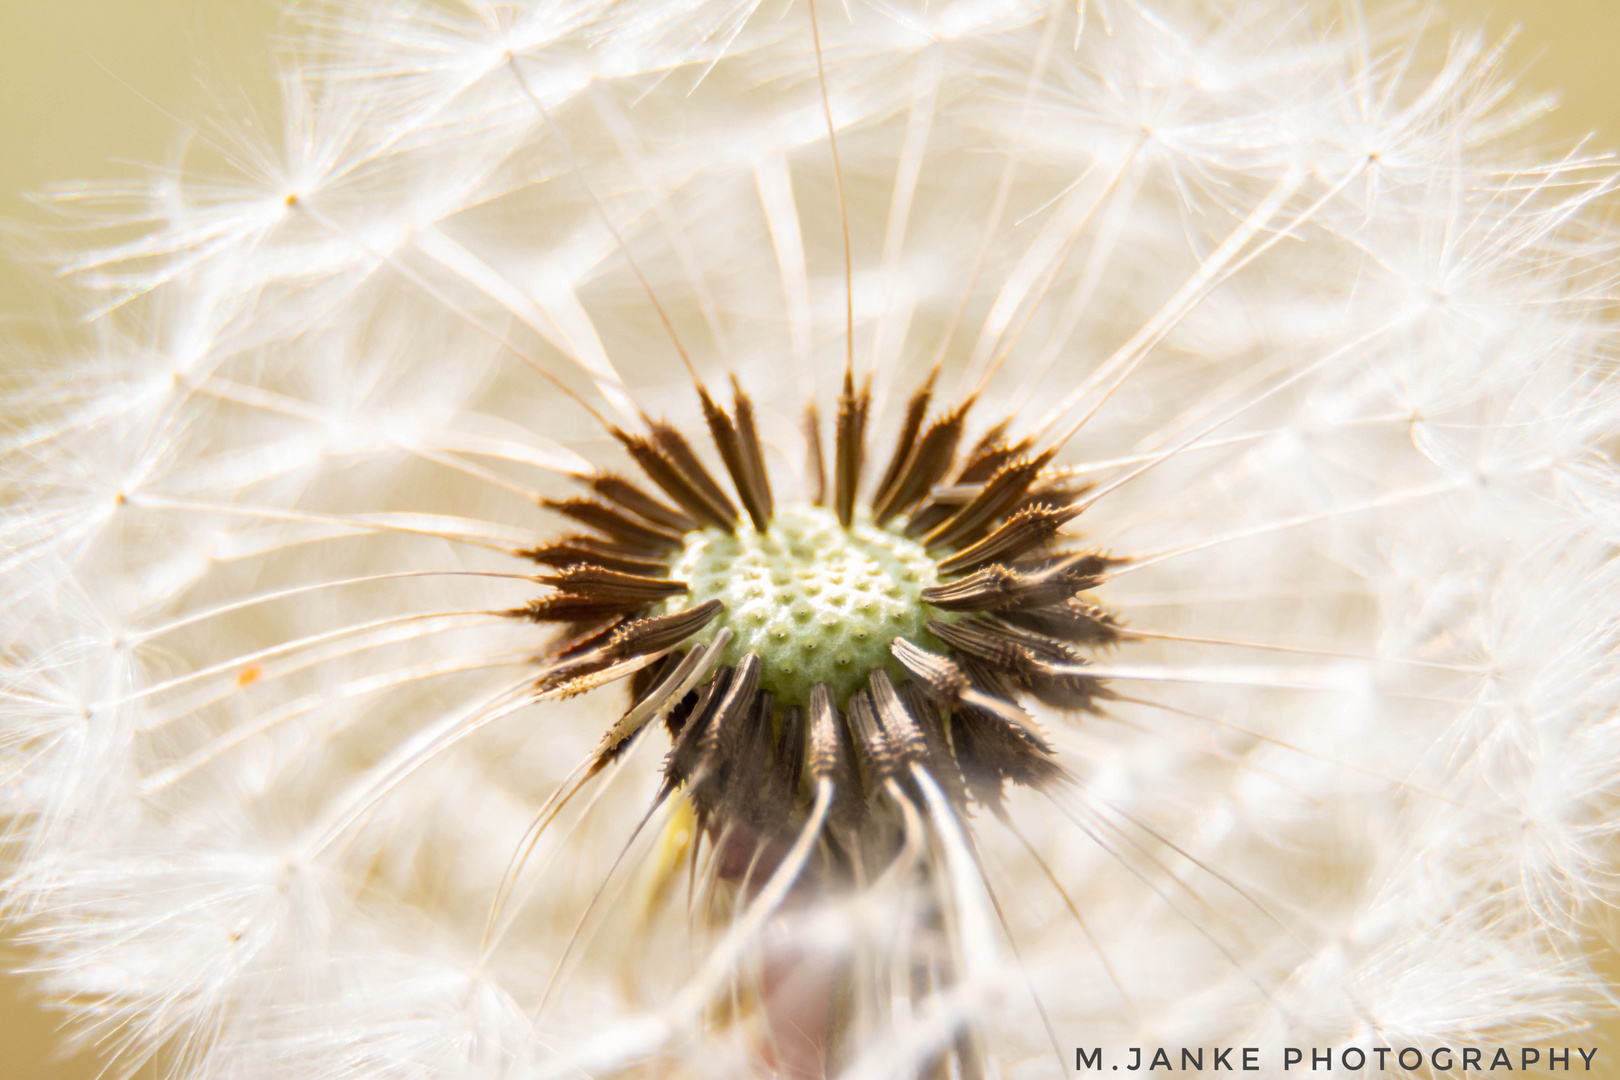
(395, 642)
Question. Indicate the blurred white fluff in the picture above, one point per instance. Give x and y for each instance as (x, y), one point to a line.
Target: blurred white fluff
(312, 357)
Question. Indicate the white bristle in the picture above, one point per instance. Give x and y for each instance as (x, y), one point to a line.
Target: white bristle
(1288, 281)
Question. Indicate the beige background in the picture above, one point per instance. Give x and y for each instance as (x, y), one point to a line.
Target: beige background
(89, 85)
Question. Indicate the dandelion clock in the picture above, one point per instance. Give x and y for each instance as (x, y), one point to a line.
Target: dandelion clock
(984, 539)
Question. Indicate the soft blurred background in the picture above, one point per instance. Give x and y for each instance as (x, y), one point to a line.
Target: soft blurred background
(88, 87)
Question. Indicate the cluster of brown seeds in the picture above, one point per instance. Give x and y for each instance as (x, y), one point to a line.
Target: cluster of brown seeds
(1000, 617)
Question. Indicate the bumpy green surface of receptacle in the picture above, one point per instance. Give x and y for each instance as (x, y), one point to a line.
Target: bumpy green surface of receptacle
(815, 601)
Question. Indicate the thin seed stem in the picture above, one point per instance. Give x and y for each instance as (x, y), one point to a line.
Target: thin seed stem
(843, 205)
(602, 214)
(300, 590)
(466, 316)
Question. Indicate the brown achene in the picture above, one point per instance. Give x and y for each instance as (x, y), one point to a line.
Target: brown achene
(1003, 619)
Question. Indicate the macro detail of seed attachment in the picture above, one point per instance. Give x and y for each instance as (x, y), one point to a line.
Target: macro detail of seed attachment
(786, 645)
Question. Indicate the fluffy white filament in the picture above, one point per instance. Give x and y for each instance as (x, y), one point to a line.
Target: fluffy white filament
(1332, 345)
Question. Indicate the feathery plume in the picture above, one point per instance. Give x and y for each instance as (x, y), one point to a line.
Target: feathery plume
(878, 540)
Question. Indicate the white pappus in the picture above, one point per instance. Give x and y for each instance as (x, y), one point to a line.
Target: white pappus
(1295, 727)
